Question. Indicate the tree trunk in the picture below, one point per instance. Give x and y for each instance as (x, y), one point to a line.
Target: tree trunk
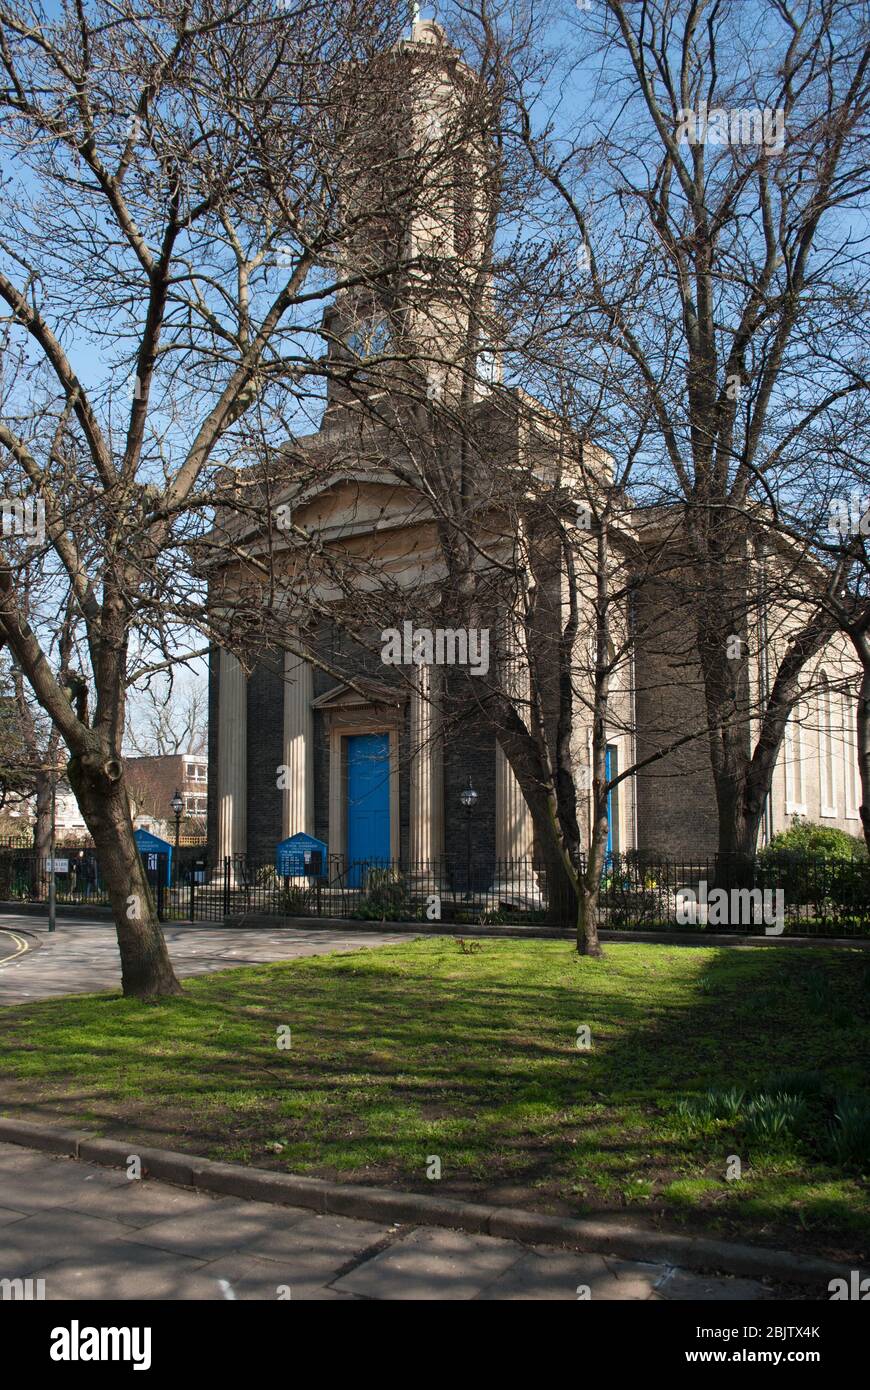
(42, 833)
(562, 898)
(588, 908)
(739, 825)
(587, 921)
(146, 970)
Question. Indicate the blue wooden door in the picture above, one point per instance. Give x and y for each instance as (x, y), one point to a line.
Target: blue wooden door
(368, 803)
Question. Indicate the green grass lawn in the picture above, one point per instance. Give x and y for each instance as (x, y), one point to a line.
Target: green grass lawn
(407, 1052)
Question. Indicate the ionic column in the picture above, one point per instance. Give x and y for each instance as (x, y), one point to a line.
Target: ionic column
(420, 832)
(514, 831)
(514, 828)
(297, 811)
(436, 695)
(232, 759)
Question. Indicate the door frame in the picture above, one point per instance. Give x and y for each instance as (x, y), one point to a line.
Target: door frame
(338, 736)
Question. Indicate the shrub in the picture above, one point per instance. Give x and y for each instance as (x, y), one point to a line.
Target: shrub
(807, 840)
(296, 901)
(386, 897)
(818, 866)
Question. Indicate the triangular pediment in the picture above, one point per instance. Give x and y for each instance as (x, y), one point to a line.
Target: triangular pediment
(367, 692)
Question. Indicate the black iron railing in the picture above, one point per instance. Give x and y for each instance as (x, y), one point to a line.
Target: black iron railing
(772, 894)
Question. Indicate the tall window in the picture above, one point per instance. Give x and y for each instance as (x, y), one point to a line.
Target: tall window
(463, 204)
(827, 763)
(795, 802)
(850, 755)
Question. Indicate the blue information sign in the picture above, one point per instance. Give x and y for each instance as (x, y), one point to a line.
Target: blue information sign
(149, 848)
(300, 856)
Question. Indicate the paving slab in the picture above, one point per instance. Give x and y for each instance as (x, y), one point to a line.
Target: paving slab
(340, 1238)
(121, 1270)
(553, 1275)
(32, 1182)
(140, 1203)
(244, 1277)
(34, 1244)
(433, 1264)
(91, 1233)
(634, 1279)
(7, 1217)
(680, 1284)
(228, 1225)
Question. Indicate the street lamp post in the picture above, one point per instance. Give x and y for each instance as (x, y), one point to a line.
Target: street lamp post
(177, 805)
(52, 886)
(468, 798)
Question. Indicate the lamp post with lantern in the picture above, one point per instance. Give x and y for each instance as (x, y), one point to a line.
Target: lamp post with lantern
(468, 799)
(177, 804)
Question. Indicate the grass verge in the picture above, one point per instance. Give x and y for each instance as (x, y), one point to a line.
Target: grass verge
(722, 1089)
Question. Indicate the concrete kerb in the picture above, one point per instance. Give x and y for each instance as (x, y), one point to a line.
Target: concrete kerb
(69, 911)
(383, 1204)
(608, 935)
(272, 922)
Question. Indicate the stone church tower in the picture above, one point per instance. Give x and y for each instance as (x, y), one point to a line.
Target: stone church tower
(364, 766)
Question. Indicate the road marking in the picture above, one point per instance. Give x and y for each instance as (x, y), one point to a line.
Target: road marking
(20, 943)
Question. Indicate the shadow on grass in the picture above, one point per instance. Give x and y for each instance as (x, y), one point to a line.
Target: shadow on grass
(412, 1051)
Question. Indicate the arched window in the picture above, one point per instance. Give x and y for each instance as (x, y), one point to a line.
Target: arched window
(827, 762)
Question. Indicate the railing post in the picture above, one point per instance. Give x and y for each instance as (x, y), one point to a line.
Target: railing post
(226, 885)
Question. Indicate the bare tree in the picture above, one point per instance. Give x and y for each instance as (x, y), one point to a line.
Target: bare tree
(709, 187)
(167, 719)
(174, 206)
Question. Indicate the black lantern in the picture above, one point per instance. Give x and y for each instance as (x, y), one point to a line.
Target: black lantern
(177, 804)
(468, 799)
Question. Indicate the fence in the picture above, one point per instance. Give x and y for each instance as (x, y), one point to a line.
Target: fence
(24, 876)
(774, 893)
(796, 895)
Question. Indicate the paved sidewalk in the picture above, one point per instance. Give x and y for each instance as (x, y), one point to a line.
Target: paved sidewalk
(91, 1233)
(82, 956)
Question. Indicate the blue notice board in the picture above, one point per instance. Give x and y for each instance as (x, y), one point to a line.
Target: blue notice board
(149, 847)
(300, 856)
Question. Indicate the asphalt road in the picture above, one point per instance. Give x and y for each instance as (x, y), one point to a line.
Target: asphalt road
(82, 956)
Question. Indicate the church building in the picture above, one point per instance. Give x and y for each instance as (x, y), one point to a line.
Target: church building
(370, 742)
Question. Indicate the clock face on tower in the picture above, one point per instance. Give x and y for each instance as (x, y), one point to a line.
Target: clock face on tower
(369, 337)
